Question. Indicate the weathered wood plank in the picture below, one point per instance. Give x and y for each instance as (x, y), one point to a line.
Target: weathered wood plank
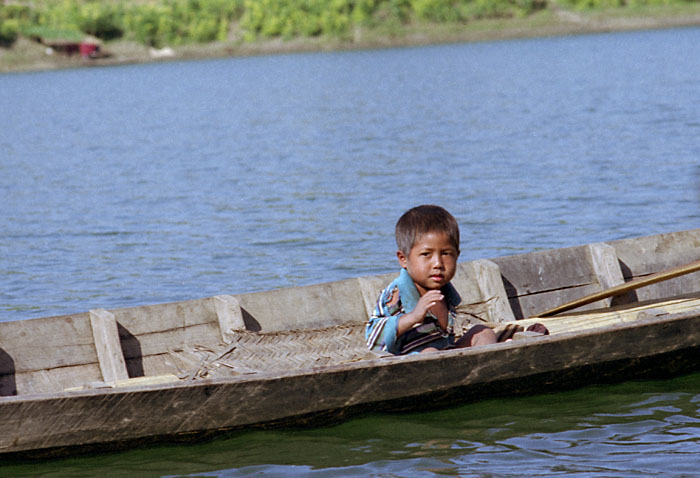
(109, 350)
(488, 277)
(672, 288)
(53, 380)
(544, 271)
(625, 287)
(159, 342)
(532, 280)
(65, 356)
(646, 255)
(130, 382)
(48, 342)
(606, 266)
(466, 284)
(163, 317)
(304, 307)
(230, 315)
(529, 305)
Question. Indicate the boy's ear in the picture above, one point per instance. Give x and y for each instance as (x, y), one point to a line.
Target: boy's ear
(403, 260)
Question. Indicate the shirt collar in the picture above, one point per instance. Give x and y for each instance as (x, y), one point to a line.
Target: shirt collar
(409, 293)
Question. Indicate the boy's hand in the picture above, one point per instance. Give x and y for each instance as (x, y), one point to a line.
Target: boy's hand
(430, 299)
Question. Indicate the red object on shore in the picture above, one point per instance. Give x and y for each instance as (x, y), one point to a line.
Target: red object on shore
(88, 49)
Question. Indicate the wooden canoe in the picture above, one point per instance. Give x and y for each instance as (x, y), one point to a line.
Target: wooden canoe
(105, 380)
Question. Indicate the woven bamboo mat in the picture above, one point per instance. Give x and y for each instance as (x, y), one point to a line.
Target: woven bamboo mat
(251, 352)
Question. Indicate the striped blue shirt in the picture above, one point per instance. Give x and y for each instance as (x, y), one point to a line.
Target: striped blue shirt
(397, 299)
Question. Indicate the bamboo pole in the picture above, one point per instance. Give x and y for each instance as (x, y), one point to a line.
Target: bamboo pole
(626, 287)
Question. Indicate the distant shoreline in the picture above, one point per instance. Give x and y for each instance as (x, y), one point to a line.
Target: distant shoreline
(27, 56)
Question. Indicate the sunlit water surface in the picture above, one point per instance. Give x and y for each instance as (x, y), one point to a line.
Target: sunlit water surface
(153, 183)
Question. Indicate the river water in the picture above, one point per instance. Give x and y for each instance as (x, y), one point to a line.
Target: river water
(152, 183)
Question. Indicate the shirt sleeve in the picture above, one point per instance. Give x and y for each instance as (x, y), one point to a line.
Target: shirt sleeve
(381, 330)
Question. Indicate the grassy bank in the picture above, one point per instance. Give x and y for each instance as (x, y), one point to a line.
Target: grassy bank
(379, 28)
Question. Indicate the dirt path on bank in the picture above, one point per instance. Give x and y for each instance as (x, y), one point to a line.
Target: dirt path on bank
(29, 56)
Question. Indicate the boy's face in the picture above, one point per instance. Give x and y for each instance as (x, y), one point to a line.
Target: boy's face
(432, 261)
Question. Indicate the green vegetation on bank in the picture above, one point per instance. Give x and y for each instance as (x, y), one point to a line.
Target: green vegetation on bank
(178, 22)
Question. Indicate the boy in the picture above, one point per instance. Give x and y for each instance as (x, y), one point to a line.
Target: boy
(416, 312)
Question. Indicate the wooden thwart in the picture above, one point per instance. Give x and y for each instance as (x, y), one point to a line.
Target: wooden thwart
(606, 267)
(488, 277)
(108, 346)
(229, 315)
(624, 288)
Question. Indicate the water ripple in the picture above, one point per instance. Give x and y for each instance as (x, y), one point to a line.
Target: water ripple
(145, 186)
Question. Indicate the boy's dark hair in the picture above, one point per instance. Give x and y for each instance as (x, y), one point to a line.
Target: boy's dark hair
(421, 220)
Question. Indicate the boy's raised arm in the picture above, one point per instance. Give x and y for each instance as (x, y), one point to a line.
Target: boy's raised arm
(382, 329)
(408, 320)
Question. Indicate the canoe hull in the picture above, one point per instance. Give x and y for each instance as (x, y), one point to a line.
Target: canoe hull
(70, 422)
